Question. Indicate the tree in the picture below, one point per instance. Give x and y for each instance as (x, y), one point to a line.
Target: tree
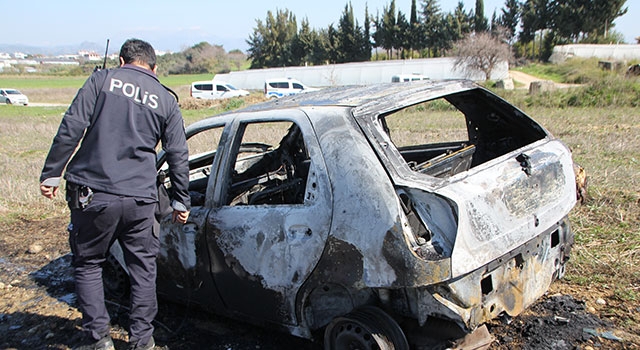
(416, 41)
(302, 45)
(351, 41)
(480, 52)
(321, 48)
(536, 15)
(378, 34)
(479, 20)
(389, 28)
(204, 57)
(346, 45)
(432, 26)
(270, 43)
(403, 37)
(462, 18)
(576, 20)
(366, 40)
(510, 17)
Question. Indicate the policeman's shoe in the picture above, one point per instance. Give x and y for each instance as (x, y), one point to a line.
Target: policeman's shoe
(151, 344)
(91, 344)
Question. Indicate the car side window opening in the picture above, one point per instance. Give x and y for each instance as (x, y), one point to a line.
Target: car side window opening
(204, 87)
(444, 137)
(202, 150)
(297, 86)
(270, 166)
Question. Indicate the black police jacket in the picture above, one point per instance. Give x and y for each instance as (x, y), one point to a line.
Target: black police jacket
(120, 115)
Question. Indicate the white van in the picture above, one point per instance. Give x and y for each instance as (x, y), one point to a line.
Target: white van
(407, 77)
(215, 89)
(279, 87)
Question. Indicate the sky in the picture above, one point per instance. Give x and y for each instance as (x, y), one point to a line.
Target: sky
(176, 25)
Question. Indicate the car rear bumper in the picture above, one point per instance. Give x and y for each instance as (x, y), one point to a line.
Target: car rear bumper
(508, 284)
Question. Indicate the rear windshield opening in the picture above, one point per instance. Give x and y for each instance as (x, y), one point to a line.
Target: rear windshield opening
(450, 135)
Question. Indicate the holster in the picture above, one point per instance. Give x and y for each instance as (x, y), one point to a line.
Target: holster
(78, 196)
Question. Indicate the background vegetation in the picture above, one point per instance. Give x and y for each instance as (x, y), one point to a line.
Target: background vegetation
(531, 27)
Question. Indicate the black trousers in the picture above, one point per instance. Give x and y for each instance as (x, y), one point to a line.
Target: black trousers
(92, 230)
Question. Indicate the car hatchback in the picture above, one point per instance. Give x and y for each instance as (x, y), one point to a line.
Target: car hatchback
(358, 216)
(13, 97)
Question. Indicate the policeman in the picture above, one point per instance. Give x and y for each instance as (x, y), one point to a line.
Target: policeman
(120, 115)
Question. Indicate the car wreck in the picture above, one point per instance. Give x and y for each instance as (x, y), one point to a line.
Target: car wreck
(355, 216)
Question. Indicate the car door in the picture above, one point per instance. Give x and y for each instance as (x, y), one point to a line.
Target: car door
(271, 214)
(183, 260)
(219, 91)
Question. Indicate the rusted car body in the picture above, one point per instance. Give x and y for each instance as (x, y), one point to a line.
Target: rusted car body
(354, 219)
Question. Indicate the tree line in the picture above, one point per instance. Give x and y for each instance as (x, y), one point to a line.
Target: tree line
(530, 27)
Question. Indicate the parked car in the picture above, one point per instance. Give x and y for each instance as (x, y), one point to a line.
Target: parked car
(355, 215)
(280, 87)
(408, 77)
(13, 97)
(211, 90)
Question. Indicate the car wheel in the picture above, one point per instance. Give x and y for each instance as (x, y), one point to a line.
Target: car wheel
(365, 328)
(115, 280)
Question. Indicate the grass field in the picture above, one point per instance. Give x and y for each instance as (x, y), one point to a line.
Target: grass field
(62, 89)
(605, 141)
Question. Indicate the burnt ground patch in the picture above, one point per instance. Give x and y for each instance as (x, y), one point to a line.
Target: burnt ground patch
(37, 309)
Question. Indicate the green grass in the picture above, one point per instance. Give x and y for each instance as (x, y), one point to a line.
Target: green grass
(183, 79)
(19, 112)
(27, 81)
(542, 71)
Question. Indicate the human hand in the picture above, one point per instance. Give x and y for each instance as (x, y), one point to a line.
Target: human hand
(180, 216)
(49, 191)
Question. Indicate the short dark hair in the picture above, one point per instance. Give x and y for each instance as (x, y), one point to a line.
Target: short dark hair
(136, 50)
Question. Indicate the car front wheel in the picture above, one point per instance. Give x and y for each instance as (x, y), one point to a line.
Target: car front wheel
(365, 328)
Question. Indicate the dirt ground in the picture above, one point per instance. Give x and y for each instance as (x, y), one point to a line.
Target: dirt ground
(37, 309)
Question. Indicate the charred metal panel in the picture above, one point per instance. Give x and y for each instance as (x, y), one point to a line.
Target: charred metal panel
(330, 290)
(440, 217)
(364, 201)
(501, 206)
(518, 281)
(410, 270)
(265, 252)
(510, 286)
(182, 261)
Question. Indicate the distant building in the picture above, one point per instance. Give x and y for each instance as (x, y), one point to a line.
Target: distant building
(89, 55)
(59, 61)
(618, 52)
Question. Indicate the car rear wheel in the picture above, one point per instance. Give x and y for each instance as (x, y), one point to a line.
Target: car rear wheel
(366, 328)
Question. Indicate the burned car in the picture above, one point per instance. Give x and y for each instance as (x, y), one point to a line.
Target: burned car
(355, 215)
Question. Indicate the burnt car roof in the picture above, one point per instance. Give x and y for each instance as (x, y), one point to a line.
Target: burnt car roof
(362, 96)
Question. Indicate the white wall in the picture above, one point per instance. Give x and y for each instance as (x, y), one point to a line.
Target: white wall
(361, 73)
(619, 52)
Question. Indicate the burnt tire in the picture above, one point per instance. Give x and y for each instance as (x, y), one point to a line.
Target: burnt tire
(366, 328)
(115, 280)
